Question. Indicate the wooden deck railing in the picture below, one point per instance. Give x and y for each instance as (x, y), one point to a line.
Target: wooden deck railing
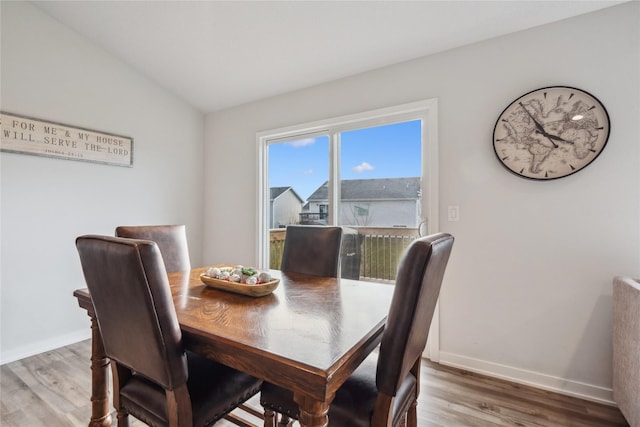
(276, 239)
(375, 250)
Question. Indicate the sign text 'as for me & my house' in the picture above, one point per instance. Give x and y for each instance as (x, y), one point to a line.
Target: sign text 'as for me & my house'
(27, 135)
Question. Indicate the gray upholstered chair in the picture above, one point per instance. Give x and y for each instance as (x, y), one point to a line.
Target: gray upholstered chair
(171, 239)
(626, 347)
(383, 391)
(154, 378)
(312, 249)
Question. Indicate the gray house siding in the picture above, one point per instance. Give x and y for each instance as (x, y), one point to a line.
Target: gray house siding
(385, 202)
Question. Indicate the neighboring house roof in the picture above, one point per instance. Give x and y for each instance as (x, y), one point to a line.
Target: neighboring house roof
(373, 189)
(277, 191)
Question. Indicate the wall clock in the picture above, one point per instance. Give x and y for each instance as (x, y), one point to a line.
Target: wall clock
(551, 132)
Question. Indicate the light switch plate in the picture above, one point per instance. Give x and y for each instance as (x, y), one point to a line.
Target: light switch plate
(453, 213)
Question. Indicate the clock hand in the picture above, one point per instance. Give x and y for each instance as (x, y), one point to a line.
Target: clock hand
(538, 125)
(557, 138)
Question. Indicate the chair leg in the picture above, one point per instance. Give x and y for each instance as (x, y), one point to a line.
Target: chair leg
(285, 421)
(269, 418)
(120, 376)
(412, 415)
(123, 419)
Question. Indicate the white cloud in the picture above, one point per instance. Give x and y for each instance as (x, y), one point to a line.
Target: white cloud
(302, 142)
(364, 166)
(308, 172)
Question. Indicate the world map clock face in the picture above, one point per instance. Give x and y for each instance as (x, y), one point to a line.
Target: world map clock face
(551, 132)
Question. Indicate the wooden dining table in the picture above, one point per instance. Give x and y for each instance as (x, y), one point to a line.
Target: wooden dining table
(307, 336)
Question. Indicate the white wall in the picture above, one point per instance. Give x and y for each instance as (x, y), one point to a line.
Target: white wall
(528, 291)
(52, 73)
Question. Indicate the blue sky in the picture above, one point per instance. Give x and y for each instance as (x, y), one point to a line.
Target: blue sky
(390, 151)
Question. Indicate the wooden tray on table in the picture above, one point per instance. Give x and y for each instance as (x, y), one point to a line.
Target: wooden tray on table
(258, 290)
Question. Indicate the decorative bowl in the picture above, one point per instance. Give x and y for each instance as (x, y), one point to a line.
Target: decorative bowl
(258, 290)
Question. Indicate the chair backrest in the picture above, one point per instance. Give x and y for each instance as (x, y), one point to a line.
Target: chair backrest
(132, 300)
(312, 249)
(171, 239)
(414, 299)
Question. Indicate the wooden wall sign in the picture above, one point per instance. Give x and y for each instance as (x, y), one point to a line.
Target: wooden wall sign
(26, 135)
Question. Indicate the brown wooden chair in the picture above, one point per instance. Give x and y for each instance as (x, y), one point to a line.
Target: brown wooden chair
(312, 249)
(171, 239)
(154, 378)
(383, 391)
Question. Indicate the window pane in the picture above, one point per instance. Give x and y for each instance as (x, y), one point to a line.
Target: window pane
(380, 196)
(297, 168)
(380, 192)
(380, 176)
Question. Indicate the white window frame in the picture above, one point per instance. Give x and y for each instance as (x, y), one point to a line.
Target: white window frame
(425, 110)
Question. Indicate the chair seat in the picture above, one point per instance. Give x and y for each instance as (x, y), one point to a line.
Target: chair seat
(215, 390)
(354, 401)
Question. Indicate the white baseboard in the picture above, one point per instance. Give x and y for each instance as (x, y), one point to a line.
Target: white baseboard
(42, 346)
(535, 379)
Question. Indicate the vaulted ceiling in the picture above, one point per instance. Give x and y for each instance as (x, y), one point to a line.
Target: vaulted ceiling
(218, 54)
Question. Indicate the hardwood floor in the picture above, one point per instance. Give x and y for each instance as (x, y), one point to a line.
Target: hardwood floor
(52, 389)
